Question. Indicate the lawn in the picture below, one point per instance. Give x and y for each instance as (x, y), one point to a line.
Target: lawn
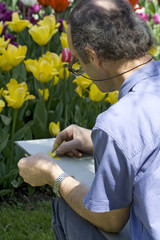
(26, 221)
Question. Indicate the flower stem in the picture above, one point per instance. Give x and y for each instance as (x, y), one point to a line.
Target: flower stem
(24, 11)
(65, 100)
(42, 48)
(29, 13)
(2, 82)
(17, 39)
(50, 94)
(15, 112)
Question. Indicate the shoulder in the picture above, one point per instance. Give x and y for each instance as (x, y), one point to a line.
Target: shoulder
(132, 122)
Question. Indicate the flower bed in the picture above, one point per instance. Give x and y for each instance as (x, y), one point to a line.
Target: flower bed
(38, 95)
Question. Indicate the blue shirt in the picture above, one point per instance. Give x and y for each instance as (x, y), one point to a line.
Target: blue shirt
(126, 141)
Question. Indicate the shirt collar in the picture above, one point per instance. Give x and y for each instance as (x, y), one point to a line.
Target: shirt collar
(149, 70)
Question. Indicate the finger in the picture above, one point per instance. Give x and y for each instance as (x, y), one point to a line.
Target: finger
(69, 154)
(65, 135)
(68, 146)
(77, 153)
(62, 136)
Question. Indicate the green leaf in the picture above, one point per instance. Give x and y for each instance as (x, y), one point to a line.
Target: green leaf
(39, 128)
(3, 139)
(11, 175)
(28, 134)
(15, 183)
(58, 111)
(41, 112)
(21, 132)
(6, 120)
(5, 192)
(2, 169)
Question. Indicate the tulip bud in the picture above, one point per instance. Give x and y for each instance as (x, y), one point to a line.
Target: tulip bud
(156, 18)
(29, 2)
(54, 128)
(66, 55)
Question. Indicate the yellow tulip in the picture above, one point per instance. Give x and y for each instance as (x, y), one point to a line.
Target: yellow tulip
(79, 90)
(29, 63)
(47, 28)
(63, 39)
(1, 27)
(2, 104)
(95, 94)
(82, 82)
(54, 59)
(54, 128)
(112, 97)
(1, 90)
(55, 80)
(11, 56)
(153, 51)
(64, 73)
(3, 43)
(49, 21)
(16, 94)
(65, 25)
(44, 93)
(42, 70)
(17, 25)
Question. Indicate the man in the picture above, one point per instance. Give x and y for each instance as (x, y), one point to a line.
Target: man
(111, 43)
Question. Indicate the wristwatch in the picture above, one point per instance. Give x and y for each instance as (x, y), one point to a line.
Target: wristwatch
(58, 182)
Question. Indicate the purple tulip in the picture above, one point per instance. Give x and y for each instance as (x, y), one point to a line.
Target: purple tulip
(4, 29)
(8, 16)
(3, 7)
(156, 18)
(61, 25)
(4, 14)
(9, 36)
(143, 16)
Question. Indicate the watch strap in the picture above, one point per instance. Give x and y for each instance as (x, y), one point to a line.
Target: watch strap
(58, 181)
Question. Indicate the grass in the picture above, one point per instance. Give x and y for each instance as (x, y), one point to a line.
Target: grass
(26, 222)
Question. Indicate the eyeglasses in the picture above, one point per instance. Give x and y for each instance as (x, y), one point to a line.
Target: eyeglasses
(75, 68)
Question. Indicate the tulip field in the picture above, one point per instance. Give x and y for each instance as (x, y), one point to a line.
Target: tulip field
(38, 95)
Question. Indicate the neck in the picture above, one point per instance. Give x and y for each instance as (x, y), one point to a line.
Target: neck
(123, 70)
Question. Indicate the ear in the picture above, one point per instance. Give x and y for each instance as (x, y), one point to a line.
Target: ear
(92, 56)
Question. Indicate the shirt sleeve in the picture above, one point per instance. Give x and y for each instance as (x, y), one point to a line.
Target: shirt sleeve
(113, 182)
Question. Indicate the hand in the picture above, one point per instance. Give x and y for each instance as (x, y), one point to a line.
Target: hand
(77, 139)
(39, 169)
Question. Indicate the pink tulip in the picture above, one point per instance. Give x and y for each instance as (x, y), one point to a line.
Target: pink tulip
(156, 18)
(66, 55)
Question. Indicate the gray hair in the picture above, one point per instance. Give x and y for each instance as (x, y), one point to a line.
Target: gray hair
(114, 33)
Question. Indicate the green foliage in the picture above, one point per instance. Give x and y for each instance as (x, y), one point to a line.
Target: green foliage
(64, 104)
(19, 222)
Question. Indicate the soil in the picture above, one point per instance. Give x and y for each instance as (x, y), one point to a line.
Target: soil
(28, 196)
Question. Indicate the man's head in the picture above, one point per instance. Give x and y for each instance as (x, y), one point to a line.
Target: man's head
(110, 28)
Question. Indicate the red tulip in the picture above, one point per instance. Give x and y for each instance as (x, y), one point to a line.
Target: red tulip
(59, 5)
(44, 2)
(133, 3)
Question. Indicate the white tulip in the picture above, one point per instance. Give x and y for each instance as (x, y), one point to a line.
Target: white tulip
(29, 2)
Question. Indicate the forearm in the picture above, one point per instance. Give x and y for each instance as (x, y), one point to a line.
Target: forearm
(73, 193)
